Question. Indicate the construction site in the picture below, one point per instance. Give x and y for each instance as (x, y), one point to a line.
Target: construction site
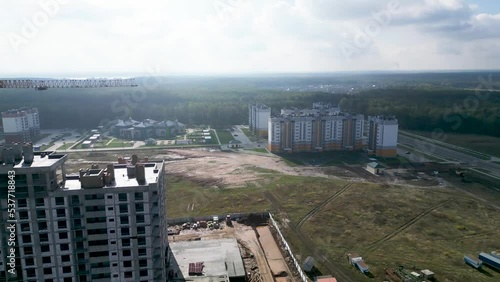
(418, 219)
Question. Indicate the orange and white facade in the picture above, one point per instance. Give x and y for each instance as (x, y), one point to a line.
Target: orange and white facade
(314, 130)
(20, 125)
(383, 136)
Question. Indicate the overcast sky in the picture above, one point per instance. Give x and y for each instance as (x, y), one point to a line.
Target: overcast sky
(109, 37)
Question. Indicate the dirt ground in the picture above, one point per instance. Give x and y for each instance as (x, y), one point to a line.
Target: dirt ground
(262, 262)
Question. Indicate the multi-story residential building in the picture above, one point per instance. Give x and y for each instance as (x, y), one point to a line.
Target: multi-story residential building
(102, 224)
(258, 119)
(21, 125)
(319, 129)
(383, 136)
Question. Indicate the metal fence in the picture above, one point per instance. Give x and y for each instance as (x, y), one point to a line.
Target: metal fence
(287, 247)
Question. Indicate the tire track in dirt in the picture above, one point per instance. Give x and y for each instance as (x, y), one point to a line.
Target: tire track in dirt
(336, 269)
(323, 204)
(374, 246)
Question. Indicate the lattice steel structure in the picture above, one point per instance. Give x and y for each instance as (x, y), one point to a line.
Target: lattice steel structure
(67, 83)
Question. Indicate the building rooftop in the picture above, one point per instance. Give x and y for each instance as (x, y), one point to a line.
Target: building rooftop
(220, 258)
(375, 165)
(122, 179)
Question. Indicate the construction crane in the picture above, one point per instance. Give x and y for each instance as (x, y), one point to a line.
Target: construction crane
(67, 83)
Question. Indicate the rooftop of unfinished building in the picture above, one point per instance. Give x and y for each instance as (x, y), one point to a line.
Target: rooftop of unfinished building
(220, 258)
(22, 156)
(121, 177)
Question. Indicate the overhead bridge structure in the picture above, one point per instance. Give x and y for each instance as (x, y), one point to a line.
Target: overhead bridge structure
(67, 83)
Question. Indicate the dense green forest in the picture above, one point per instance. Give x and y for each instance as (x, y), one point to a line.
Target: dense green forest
(223, 102)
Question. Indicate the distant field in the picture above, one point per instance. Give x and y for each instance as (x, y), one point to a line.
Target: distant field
(388, 226)
(65, 146)
(484, 144)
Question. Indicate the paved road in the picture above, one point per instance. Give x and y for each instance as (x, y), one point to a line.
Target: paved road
(449, 154)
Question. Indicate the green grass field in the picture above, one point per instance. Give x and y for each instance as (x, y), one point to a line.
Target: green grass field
(388, 225)
(483, 144)
(224, 136)
(65, 146)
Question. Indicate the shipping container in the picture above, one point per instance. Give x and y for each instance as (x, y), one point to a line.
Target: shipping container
(490, 260)
(470, 260)
(361, 265)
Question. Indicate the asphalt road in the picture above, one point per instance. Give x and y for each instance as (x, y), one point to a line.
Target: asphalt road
(449, 154)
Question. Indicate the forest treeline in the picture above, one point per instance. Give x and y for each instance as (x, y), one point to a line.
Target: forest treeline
(417, 109)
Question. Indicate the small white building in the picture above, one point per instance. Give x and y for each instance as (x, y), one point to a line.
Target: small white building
(375, 168)
(86, 144)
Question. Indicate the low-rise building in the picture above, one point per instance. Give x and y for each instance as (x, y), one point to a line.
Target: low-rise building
(141, 130)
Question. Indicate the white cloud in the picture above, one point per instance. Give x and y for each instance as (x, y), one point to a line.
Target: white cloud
(250, 36)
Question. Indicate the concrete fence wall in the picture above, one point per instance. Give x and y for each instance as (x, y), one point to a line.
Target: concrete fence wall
(287, 247)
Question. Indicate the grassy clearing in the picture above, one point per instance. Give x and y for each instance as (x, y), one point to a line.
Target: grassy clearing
(224, 136)
(65, 146)
(484, 144)
(359, 218)
(259, 150)
(250, 135)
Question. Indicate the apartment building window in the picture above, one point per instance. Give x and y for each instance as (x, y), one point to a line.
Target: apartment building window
(139, 207)
(61, 212)
(40, 214)
(66, 269)
(23, 215)
(122, 197)
(31, 272)
(42, 225)
(25, 227)
(59, 201)
(28, 251)
(109, 197)
(75, 199)
(123, 208)
(125, 231)
(143, 272)
(124, 219)
(47, 271)
(127, 263)
(46, 260)
(45, 248)
(111, 220)
(29, 261)
(44, 237)
(141, 230)
(68, 279)
(128, 274)
(26, 239)
(141, 241)
(49, 280)
(79, 234)
(83, 278)
(139, 196)
(65, 258)
(142, 252)
(39, 202)
(110, 208)
(81, 256)
(79, 245)
(22, 203)
(77, 222)
(126, 242)
(65, 247)
(62, 224)
(139, 218)
(143, 263)
(77, 211)
(126, 253)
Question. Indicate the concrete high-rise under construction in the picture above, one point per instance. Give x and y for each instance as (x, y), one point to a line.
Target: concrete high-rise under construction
(103, 224)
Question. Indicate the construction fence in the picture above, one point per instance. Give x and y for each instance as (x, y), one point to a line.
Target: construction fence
(289, 250)
(259, 218)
